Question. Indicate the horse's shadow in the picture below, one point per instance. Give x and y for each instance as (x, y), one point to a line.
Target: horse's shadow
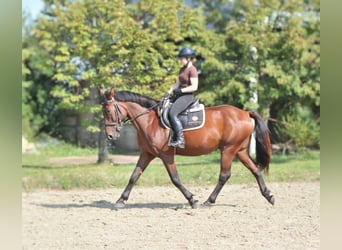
(112, 206)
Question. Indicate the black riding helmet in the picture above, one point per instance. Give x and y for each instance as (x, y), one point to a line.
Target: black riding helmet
(187, 52)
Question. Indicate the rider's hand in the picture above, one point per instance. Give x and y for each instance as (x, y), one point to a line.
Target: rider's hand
(177, 92)
(166, 95)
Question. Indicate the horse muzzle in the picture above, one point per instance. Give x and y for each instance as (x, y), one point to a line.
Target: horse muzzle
(113, 136)
(113, 130)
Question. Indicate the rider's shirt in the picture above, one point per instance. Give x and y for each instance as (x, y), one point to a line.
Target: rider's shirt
(185, 74)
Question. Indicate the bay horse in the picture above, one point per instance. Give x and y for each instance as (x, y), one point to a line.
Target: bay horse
(227, 128)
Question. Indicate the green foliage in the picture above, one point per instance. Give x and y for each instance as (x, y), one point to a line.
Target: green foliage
(76, 46)
(284, 46)
(131, 46)
(301, 128)
(38, 108)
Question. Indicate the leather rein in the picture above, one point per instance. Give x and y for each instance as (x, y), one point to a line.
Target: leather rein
(120, 122)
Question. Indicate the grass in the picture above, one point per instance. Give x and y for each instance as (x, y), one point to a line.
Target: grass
(60, 150)
(193, 171)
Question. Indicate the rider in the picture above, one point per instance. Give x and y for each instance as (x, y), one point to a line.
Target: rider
(182, 91)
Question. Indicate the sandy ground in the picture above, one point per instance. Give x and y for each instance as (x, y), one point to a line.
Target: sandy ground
(160, 218)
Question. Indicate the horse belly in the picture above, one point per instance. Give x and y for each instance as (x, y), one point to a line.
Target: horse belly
(193, 152)
(198, 145)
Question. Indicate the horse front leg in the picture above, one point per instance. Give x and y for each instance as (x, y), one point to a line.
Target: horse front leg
(172, 171)
(225, 173)
(142, 163)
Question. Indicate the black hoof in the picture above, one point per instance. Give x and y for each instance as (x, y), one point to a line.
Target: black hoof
(119, 204)
(271, 200)
(194, 204)
(207, 204)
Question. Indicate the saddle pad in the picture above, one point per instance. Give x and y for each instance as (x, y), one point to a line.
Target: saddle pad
(191, 118)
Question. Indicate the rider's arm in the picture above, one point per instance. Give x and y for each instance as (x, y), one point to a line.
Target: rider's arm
(193, 86)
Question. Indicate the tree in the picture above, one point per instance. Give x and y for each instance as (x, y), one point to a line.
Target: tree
(286, 65)
(217, 13)
(275, 44)
(133, 45)
(97, 43)
(38, 109)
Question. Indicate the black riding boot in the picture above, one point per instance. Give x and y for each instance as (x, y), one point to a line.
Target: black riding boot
(179, 137)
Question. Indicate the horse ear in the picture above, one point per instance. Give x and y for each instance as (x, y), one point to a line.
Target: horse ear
(101, 91)
(111, 93)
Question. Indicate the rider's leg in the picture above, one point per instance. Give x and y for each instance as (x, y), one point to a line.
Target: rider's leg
(178, 131)
(177, 107)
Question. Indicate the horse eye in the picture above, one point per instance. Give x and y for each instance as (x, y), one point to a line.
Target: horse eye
(108, 111)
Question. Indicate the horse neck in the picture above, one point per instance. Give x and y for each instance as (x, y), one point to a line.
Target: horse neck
(136, 114)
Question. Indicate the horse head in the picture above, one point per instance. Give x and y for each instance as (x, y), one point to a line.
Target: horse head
(112, 114)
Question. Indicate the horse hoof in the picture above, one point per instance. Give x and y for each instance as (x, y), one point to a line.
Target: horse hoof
(207, 204)
(194, 205)
(119, 204)
(271, 200)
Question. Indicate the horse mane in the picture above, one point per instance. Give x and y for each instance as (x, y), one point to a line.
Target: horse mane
(145, 101)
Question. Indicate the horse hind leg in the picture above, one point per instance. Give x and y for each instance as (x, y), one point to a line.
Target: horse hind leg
(244, 157)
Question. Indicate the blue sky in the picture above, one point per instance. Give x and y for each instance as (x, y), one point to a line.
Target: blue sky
(32, 6)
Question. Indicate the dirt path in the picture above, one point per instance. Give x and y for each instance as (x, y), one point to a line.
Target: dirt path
(159, 218)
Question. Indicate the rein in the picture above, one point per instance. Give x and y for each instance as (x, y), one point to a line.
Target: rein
(118, 114)
(143, 113)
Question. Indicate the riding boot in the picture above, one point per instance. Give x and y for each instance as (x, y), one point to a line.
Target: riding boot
(178, 131)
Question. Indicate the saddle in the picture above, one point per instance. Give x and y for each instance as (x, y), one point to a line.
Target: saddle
(191, 118)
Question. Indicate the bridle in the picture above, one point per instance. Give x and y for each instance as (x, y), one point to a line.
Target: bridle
(120, 122)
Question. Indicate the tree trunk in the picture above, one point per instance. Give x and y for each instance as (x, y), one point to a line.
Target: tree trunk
(103, 150)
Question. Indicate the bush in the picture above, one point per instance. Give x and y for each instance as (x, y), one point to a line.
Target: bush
(301, 128)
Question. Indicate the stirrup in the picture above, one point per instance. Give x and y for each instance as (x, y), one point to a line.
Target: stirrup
(172, 140)
(180, 145)
(177, 143)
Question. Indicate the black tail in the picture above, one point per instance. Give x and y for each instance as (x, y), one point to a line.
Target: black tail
(263, 142)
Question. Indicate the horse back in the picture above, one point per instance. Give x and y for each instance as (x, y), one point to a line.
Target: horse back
(224, 125)
(228, 114)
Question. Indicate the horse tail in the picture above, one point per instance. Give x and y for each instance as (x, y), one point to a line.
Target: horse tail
(262, 141)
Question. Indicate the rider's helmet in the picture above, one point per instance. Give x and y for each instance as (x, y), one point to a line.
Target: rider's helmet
(187, 52)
